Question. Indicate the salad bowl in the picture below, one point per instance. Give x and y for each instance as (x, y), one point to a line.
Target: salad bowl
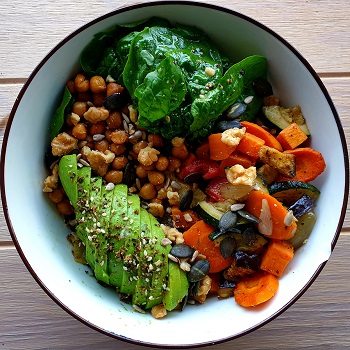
(39, 232)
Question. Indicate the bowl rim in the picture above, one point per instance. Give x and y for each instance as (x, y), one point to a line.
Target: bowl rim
(126, 8)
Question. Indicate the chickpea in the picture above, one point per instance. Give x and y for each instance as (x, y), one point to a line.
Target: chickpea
(97, 84)
(117, 149)
(101, 146)
(174, 163)
(97, 99)
(156, 178)
(97, 128)
(139, 145)
(119, 137)
(141, 172)
(81, 84)
(162, 163)
(113, 88)
(157, 140)
(80, 107)
(119, 162)
(71, 86)
(57, 195)
(79, 131)
(147, 191)
(84, 96)
(64, 207)
(114, 176)
(180, 151)
(90, 142)
(115, 120)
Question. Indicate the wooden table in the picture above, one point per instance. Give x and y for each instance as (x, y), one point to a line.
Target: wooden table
(320, 29)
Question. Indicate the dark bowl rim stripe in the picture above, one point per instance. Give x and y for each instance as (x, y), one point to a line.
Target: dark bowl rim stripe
(171, 3)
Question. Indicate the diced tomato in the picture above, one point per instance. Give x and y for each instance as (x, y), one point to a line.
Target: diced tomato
(213, 188)
(183, 220)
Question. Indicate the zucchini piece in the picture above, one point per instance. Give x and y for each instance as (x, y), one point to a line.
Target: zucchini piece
(305, 225)
(260, 183)
(209, 213)
(288, 192)
(283, 117)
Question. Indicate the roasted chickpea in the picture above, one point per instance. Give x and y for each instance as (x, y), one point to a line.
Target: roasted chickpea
(97, 99)
(84, 96)
(139, 145)
(162, 163)
(117, 149)
(157, 140)
(97, 84)
(114, 88)
(174, 163)
(57, 195)
(114, 176)
(64, 207)
(115, 120)
(141, 172)
(180, 152)
(81, 84)
(101, 146)
(71, 86)
(119, 137)
(80, 107)
(97, 128)
(147, 191)
(156, 177)
(119, 162)
(79, 131)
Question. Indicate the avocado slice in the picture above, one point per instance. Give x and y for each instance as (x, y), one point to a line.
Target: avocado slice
(67, 172)
(132, 237)
(116, 233)
(177, 286)
(160, 262)
(101, 263)
(145, 263)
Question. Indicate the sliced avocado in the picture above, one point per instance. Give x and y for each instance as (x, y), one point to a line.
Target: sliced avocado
(145, 264)
(160, 263)
(133, 228)
(177, 287)
(116, 234)
(67, 172)
(101, 264)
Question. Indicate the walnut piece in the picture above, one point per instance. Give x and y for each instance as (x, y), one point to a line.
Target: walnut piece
(158, 311)
(173, 198)
(156, 209)
(96, 114)
(238, 175)
(148, 155)
(232, 137)
(204, 288)
(50, 183)
(99, 161)
(63, 143)
(173, 234)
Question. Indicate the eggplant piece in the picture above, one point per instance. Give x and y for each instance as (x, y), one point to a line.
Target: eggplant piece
(226, 289)
(243, 264)
(302, 206)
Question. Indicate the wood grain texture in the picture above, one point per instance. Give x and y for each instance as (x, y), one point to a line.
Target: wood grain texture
(319, 319)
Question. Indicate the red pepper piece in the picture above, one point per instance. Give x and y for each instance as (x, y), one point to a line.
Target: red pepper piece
(213, 188)
(207, 168)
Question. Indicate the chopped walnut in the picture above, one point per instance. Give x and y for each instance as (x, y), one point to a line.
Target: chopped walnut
(85, 151)
(156, 209)
(238, 175)
(96, 114)
(63, 143)
(204, 288)
(232, 137)
(173, 197)
(100, 161)
(173, 234)
(148, 155)
(132, 114)
(50, 183)
(158, 311)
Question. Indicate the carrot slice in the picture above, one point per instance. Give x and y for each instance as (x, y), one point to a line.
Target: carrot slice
(197, 237)
(203, 151)
(309, 164)
(255, 290)
(274, 216)
(218, 149)
(276, 257)
(236, 158)
(258, 131)
(250, 145)
(291, 137)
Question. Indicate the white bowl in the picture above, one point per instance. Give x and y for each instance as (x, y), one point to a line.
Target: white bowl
(40, 234)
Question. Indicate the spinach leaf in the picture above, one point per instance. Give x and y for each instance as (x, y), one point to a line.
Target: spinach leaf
(57, 119)
(162, 90)
(212, 104)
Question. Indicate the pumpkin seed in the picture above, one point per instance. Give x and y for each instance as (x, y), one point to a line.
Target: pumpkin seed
(192, 178)
(228, 246)
(227, 221)
(236, 110)
(262, 87)
(250, 217)
(228, 124)
(186, 200)
(182, 251)
(198, 270)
